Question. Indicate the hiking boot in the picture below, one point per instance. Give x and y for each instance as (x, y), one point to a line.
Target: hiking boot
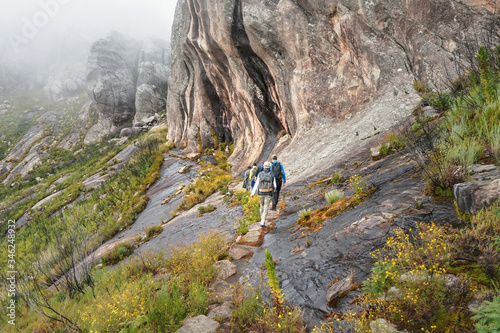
(262, 226)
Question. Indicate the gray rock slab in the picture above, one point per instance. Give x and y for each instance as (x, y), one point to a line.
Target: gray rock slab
(479, 168)
(223, 311)
(199, 324)
(239, 251)
(225, 269)
(251, 237)
(220, 292)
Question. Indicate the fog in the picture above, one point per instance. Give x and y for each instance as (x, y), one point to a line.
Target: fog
(38, 33)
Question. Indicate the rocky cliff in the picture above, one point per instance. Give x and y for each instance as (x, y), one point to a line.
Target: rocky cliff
(126, 80)
(314, 76)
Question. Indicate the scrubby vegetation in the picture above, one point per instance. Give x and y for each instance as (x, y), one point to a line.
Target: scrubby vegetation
(337, 203)
(333, 196)
(423, 279)
(429, 277)
(210, 179)
(251, 207)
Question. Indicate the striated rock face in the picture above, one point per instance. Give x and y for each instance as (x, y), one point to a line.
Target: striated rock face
(125, 76)
(314, 76)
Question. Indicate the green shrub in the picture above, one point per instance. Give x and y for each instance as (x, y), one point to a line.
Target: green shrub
(337, 178)
(242, 226)
(252, 210)
(167, 311)
(153, 231)
(205, 209)
(247, 312)
(360, 186)
(488, 316)
(333, 196)
(304, 212)
(119, 252)
(197, 299)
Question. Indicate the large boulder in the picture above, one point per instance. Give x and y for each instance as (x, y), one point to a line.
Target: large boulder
(481, 192)
(314, 76)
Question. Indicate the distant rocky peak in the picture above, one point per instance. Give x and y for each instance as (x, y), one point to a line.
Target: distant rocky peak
(126, 79)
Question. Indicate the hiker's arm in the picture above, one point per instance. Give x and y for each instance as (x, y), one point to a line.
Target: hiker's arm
(256, 186)
(283, 173)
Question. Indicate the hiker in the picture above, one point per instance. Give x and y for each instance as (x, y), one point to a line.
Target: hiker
(264, 186)
(246, 178)
(253, 175)
(279, 175)
(260, 168)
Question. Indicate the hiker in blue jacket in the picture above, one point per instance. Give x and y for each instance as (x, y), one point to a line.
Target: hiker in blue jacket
(279, 174)
(264, 186)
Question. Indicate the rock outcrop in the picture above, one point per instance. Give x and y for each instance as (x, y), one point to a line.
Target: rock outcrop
(315, 76)
(112, 78)
(152, 82)
(481, 192)
(125, 75)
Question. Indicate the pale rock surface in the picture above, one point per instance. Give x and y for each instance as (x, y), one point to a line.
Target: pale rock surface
(225, 269)
(477, 194)
(339, 288)
(382, 326)
(199, 324)
(223, 311)
(307, 80)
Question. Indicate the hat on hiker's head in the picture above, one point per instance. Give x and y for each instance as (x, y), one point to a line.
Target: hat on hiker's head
(267, 165)
(262, 162)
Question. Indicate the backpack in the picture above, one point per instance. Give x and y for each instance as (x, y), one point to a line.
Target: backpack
(266, 182)
(253, 173)
(277, 170)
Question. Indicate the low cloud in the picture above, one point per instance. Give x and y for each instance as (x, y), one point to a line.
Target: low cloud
(30, 30)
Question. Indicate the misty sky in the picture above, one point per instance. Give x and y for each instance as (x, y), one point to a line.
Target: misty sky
(28, 25)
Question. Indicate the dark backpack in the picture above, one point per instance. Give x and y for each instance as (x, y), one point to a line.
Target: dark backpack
(266, 182)
(277, 170)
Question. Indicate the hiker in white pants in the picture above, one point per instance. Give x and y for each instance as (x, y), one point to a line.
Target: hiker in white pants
(265, 185)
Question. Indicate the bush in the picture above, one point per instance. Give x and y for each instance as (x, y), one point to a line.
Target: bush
(153, 231)
(334, 196)
(108, 313)
(167, 311)
(119, 252)
(487, 316)
(242, 226)
(358, 183)
(415, 263)
(337, 178)
(197, 299)
(304, 212)
(205, 209)
(247, 311)
(193, 263)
